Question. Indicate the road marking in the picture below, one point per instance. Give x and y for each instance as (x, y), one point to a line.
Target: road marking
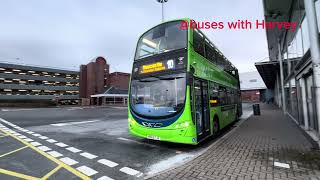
(72, 149)
(15, 174)
(283, 165)
(36, 135)
(69, 161)
(108, 163)
(51, 172)
(51, 141)
(88, 155)
(35, 144)
(8, 110)
(13, 151)
(60, 144)
(105, 178)
(87, 171)
(22, 137)
(28, 140)
(65, 166)
(30, 132)
(44, 148)
(55, 154)
(73, 123)
(129, 171)
(43, 137)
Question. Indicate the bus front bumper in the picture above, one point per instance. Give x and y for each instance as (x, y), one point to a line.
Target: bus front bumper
(163, 134)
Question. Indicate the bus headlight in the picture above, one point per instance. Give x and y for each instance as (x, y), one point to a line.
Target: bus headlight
(131, 121)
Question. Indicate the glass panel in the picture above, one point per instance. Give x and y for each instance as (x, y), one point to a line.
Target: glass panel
(161, 96)
(163, 38)
(305, 35)
(299, 49)
(318, 13)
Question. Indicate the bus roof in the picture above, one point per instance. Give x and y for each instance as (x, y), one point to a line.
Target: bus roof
(206, 38)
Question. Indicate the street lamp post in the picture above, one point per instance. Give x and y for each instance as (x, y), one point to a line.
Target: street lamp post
(162, 2)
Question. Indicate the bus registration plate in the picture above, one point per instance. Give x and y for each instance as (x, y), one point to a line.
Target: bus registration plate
(153, 137)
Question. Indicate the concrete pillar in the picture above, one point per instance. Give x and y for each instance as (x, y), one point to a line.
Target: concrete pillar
(304, 103)
(281, 78)
(315, 51)
(290, 85)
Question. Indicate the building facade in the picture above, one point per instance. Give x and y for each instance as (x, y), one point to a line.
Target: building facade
(22, 84)
(294, 68)
(252, 87)
(94, 77)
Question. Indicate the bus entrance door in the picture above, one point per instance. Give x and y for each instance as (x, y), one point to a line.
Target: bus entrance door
(201, 109)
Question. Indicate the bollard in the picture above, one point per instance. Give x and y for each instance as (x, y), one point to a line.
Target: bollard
(256, 109)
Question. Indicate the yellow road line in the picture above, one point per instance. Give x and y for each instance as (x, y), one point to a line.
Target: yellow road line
(67, 167)
(19, 175)
(3, 155)
(51, 172)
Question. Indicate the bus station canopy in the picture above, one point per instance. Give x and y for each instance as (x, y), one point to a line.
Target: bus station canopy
(268, 71)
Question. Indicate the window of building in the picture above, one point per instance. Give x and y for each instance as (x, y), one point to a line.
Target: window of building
(253, 80)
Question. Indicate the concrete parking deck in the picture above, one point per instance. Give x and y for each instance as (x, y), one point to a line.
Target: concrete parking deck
(270, 146)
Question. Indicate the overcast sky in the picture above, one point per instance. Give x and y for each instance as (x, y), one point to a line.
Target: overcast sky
(67, 33)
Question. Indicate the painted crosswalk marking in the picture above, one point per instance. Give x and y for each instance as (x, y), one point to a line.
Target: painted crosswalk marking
(69, 161)
(87, 171)
(72, 149)
(129, 171)
(88, 155)
(108, 163)
(60, 144)
(55, 154)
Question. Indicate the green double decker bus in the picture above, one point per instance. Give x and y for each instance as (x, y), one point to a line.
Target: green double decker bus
(182, 88)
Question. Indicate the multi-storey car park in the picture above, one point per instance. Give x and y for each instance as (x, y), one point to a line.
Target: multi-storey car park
(22, 83)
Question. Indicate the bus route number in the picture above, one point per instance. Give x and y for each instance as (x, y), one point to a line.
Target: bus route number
(170, 64)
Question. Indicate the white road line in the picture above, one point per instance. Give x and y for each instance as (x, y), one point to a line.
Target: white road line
(43, 137)
(30, 132)
(36, 135)
(35, 144)
(44, 148)
(28, 140)
(129, 171)
(283, 165)
(105, 178)
(73, 123)
(55, 154)
(51, 140)
(60, 144)
(87, 171)
(69, 161)
(72, 149)
(22, 137)
(88, 155)
(108, 163)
